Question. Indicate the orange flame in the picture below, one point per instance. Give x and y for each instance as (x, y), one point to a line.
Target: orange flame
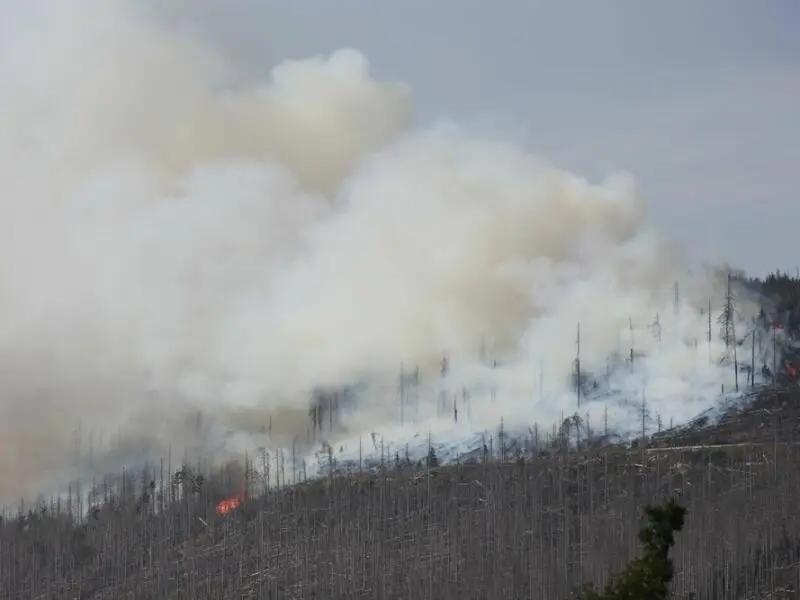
(228, 504)
(231, 503)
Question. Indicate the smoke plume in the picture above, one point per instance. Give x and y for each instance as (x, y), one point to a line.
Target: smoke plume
(174, 241)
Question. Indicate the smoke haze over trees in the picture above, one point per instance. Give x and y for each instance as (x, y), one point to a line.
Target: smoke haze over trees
(212, 281)
(226, 246)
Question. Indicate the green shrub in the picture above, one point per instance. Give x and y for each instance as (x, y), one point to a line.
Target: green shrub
(647, 577)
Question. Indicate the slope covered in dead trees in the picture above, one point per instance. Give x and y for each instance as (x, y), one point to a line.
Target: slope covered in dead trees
(536, 527)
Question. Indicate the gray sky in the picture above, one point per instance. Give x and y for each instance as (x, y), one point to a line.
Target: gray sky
(697, 98)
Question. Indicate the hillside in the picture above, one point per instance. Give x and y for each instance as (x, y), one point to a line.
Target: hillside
(530, 528)
(502, 522)
(338, 301)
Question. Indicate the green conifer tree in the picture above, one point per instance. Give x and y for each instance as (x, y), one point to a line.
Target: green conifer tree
(647, 577)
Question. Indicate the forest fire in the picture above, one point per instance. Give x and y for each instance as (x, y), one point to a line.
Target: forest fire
(231, 503)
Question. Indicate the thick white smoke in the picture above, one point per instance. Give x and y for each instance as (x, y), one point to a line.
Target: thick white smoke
(171, 242)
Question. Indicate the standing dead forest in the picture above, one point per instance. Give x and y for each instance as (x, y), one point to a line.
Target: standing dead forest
(505, 523)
